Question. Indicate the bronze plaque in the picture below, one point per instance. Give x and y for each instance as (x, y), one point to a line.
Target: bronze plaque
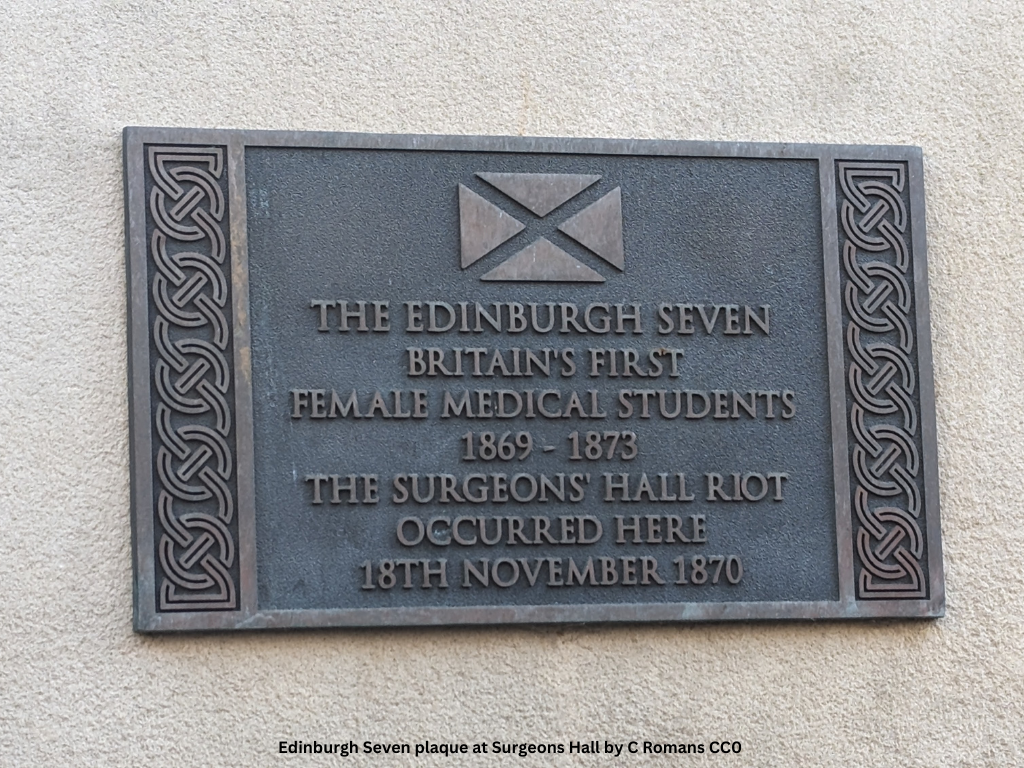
(393, 380)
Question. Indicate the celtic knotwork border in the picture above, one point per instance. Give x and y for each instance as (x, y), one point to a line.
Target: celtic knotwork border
(191, 379)
(884, 401)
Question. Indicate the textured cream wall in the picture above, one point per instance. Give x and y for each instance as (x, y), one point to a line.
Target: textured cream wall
(77, 686)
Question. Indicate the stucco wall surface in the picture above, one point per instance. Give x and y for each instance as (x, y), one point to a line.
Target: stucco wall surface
(78, 687)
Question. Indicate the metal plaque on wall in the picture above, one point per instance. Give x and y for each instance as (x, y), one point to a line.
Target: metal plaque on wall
(399, 380)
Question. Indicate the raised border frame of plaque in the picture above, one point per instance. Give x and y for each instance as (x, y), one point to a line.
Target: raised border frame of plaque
(890, 557)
